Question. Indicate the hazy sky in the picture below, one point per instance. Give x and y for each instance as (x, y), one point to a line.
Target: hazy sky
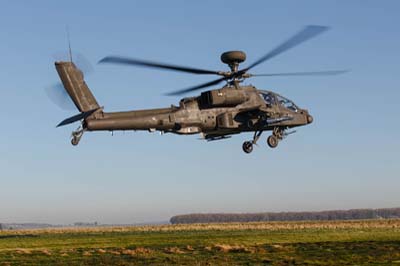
(348, 158)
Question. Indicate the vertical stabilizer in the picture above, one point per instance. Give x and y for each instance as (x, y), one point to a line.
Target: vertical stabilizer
(75, 85)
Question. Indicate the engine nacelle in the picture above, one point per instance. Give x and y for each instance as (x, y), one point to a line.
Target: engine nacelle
(225, 97)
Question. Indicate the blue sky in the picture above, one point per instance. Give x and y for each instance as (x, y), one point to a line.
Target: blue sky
(348, 158)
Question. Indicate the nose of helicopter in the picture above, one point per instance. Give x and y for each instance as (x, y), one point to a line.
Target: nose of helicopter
(310, 119)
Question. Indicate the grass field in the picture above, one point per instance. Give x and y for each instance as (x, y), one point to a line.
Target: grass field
(374, 242)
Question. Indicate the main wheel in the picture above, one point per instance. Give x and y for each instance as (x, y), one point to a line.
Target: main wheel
(247, 146)
(272, 141)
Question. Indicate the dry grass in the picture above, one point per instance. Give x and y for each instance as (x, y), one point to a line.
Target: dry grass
(137, 251)
(174, 250)
(46, 252)
(270, 226)
(361, 242)
(101, 251)
(233, 248)
(23, 251)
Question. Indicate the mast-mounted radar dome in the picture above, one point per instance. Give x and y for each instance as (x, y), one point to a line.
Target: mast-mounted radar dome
(233, 57)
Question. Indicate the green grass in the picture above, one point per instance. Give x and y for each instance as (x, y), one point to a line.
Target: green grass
(356, 243)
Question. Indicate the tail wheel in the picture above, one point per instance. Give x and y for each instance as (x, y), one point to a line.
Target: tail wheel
(77, 135)
(75, 141)
(247, 147)
(272, 141)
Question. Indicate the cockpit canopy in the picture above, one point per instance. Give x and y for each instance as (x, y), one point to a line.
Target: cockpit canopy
(271, 99)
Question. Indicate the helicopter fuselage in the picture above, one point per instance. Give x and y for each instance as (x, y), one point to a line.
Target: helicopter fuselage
(215, 113)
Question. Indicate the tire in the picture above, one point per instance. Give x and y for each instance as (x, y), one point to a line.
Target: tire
(74, 141)
(247, 147)
(272, 141)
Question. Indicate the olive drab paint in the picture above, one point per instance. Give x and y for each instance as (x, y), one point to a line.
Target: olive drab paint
(215, 114)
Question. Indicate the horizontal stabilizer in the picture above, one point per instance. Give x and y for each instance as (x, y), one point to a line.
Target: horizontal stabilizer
(77, 117)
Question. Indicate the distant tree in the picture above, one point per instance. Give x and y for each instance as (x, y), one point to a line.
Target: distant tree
(1, 227)
(286, 216)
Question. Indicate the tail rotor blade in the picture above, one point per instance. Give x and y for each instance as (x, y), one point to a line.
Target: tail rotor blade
(79, 60)
(57, 94)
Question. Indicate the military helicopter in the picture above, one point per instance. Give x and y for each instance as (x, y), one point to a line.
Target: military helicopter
(215, 114)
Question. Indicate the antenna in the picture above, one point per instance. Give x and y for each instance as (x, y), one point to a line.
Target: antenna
(69, 45)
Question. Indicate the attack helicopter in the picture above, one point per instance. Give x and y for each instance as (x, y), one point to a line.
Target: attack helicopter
(215, 114)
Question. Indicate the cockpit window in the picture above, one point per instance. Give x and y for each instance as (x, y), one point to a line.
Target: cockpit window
(268, 98)
(286, 103)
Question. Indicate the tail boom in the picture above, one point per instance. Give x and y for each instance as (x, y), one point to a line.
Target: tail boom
(158, 119)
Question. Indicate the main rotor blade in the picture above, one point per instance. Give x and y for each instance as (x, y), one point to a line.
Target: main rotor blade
(307, 33)
(138, 62)
(197, 87)
(315, 73)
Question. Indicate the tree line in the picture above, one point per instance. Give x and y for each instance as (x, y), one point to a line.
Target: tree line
(354, 214)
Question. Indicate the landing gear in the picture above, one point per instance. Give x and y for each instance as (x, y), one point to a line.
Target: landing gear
(278, 133)
(247, 146)
(77, 135)
(75, 141)
(272, 141)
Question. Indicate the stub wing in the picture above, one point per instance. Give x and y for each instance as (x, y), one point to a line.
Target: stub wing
(217, 136)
